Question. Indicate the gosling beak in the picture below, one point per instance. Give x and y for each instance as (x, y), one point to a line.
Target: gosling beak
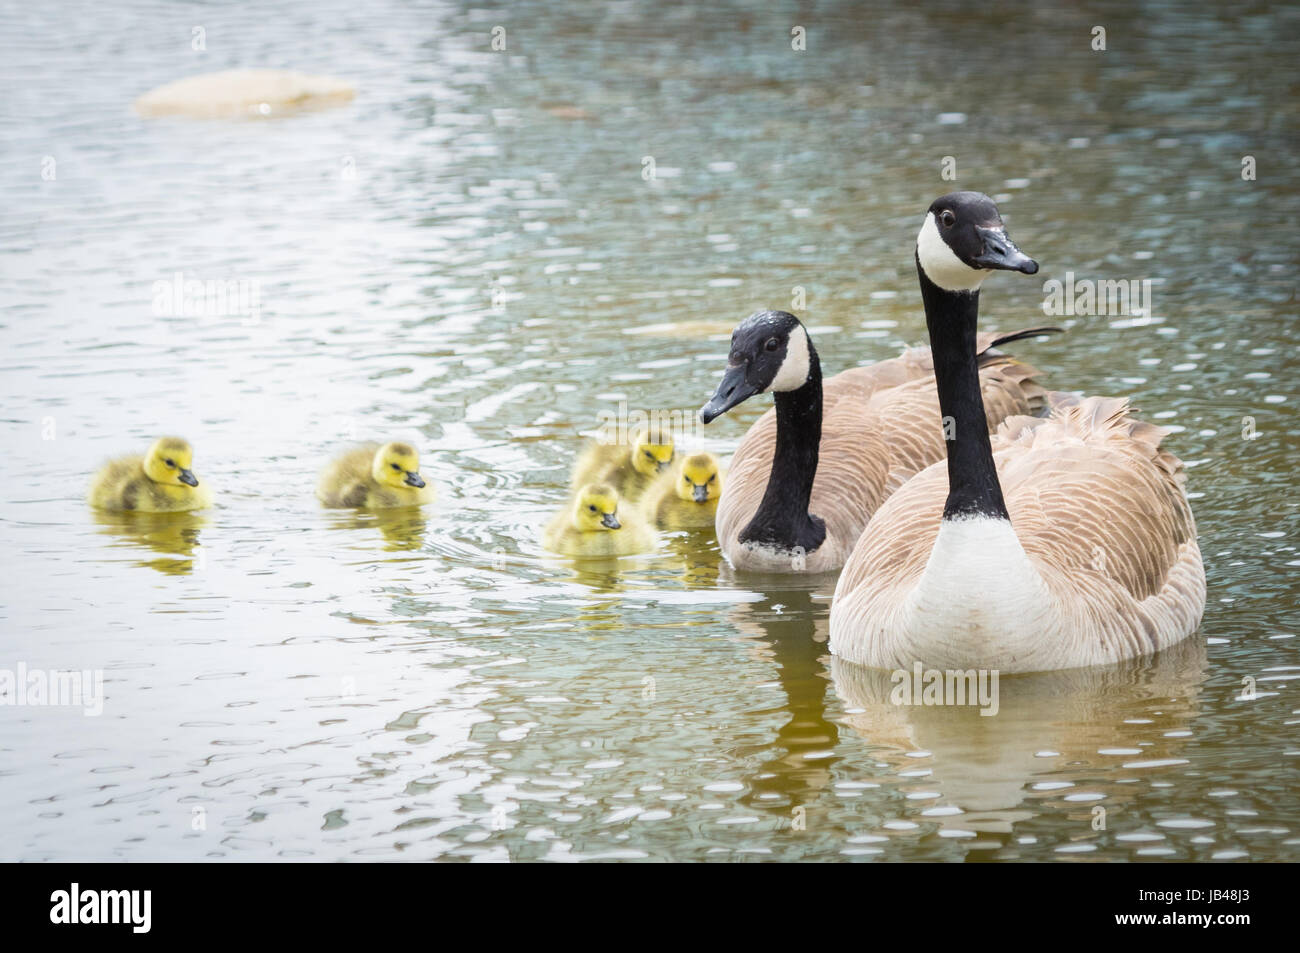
(701, 492)
(611, 521)
(186, 476)
(732, 390)
(1000, 252)
(660, 466)
(414, 479)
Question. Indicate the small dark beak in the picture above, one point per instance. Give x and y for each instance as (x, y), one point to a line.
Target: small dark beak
(659, 466)
(701, 493)
(187, 477)
(733, 389)
(413, 479)
(610, 520)
(1001, 252)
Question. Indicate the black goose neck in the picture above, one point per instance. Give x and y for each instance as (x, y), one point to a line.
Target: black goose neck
(973, 487)
(782, 519)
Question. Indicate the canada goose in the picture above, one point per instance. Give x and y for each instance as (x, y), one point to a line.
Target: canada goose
(591, 526)
(1064, 542)
(629, 466)
(159, 482)
(686, 496)
(374, 477)
(811, 471)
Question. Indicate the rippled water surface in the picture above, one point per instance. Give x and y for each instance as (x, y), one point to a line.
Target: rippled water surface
(469, 256)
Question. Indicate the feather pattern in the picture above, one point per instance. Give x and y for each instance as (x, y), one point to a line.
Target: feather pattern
(1111, 566)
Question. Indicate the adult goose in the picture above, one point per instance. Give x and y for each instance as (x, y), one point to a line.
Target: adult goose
(810, 472)
(1062, 542)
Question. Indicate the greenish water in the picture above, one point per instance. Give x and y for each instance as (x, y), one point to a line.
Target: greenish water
(468, 256)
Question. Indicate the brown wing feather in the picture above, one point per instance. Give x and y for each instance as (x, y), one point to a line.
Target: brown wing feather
(909, 421)
(1090, 490)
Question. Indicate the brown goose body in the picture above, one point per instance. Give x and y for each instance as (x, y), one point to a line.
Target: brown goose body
(1104, 548)
(880, 426)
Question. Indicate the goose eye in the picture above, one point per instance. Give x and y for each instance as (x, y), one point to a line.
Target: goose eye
(772, 344)
(712, 478)
(170, 463)
(948, 219)
(592, 508)
(395, 466)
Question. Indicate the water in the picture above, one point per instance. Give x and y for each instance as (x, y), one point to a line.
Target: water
(468, 256)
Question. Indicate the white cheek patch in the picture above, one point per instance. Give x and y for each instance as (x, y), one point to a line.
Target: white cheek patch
(941, 265)
(794, 369)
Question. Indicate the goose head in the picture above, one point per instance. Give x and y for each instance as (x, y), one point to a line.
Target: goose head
(701, 480)
(963, 241)
(595, 509)
(168, 462)
(397, 465)
(770, 351)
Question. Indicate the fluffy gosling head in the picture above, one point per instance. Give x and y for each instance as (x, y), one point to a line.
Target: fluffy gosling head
(595, 509)
(652, 451)
(397, 465)
(168, 462)
(701, 479)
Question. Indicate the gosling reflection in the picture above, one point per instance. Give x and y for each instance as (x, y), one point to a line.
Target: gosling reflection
(792, 627)
(694, 557)
(403, 528)
(1049, 726)
(175, 536)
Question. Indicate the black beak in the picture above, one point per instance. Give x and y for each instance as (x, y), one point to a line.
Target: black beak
(413, 479)
(610, 520)
(733, 389)
(659, 466)
(1001, 252)
(187, 477)
(701, 493)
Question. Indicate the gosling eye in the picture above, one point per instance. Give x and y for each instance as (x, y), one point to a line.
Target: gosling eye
(712, 478)
(592, 508)
(947, 218)
(395, 466)
(170, 463)
(772, 344)
(649, 455)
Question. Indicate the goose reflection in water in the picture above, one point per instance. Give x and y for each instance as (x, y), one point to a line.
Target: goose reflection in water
(790, 627)
(1058, 729)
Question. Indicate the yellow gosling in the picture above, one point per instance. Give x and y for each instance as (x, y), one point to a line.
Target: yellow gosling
(375, 477)
(159, 482)
(686, 497)
(593, 527)
(629, 467)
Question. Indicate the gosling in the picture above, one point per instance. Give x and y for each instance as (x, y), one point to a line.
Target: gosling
(374, 477)
(686, 497)
(591, 527)
(159, 482)
(630, 466)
